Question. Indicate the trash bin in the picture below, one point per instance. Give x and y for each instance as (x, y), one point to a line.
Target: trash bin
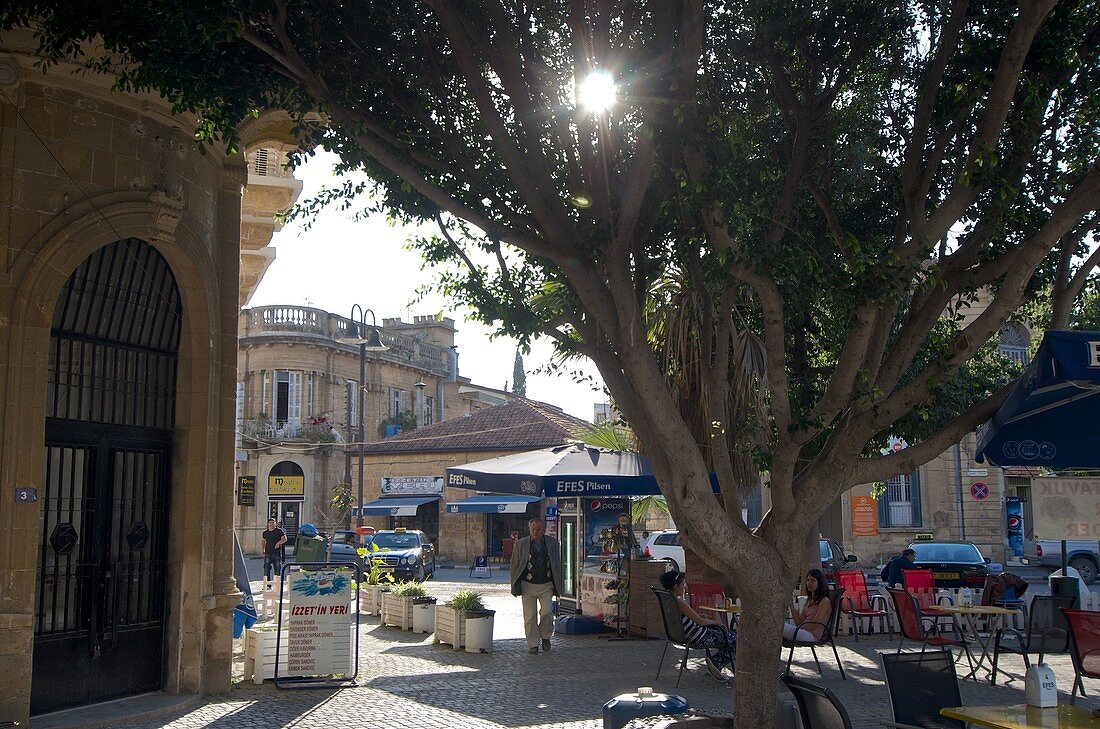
(624, 707)
(309, 549)
(1066, 587)
(479, 631)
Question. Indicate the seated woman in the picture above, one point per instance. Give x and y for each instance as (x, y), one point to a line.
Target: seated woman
(719, 642)
(809, 622)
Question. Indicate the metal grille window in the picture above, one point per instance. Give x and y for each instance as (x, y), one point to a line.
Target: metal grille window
(900, 506)
(260, 161)
(429, 410)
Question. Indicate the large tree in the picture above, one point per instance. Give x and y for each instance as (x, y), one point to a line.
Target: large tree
(810, 193)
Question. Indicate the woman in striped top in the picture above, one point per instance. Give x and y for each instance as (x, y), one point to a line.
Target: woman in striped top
(720, 643)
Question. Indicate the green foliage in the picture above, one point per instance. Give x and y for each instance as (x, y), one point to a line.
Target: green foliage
(409, 588)
(404, 421)
(469, 600)
(519, 377)
(375, 573)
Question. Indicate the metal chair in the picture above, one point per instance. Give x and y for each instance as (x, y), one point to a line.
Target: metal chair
(826, 635)
(674, 630)
(1047, 632)
(920, 584)
(910, 627)
(919, 685)
(861, 604)
(817, 705)
(1084, 643)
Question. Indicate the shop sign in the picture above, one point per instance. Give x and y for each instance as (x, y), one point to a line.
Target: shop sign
(319, 624)
(481, 567)
(412, 485)
(864, 516)
(246, 490)
(287, 486)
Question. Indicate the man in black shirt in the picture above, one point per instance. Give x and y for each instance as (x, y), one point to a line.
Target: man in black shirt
(892, 571)
(535, 572)
(274, 539)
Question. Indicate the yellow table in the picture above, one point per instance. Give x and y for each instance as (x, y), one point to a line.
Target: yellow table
(1022, 716)
(970, 615)
(730, 612)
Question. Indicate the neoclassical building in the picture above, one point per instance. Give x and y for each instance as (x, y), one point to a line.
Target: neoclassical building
(119, 301)
(299, 407)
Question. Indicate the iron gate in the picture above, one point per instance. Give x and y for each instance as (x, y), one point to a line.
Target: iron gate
(100, 598)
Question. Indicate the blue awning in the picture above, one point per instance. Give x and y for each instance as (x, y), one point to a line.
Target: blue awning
(492, 504)
(396, 506)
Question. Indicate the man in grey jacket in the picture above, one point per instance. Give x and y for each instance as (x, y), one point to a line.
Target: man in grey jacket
(536, 579)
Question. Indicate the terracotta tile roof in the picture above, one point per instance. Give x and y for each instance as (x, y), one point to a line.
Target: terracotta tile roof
(517, 425)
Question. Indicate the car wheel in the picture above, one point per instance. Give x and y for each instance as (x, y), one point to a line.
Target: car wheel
(419, 576)
(1086, 567)
(671, 565)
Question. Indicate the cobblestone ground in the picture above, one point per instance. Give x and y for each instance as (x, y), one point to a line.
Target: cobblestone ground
(407, 681)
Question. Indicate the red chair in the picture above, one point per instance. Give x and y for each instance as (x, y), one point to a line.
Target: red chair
(860, 603)
(705, 593)
(910, 627)
(920, 584)
(1084, 646)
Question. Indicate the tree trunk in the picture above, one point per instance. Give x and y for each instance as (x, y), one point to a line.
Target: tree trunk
(764, 602)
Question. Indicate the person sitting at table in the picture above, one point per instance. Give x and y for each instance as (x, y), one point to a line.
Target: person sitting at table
(720, 642)
(815, 615)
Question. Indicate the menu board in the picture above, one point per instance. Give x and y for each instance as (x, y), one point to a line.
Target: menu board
(320, 622)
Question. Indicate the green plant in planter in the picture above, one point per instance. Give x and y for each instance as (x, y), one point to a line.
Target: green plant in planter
(468, 600)
(409, 589)
(374, 574)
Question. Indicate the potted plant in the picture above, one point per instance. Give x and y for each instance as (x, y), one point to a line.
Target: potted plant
(423, 614)
(376, 582)
(397, 604)
(450, 617)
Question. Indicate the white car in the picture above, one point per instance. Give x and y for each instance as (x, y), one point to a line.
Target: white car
(665, 545)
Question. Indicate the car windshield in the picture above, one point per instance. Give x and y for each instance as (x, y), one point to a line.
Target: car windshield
(966, 553)
(395, 541)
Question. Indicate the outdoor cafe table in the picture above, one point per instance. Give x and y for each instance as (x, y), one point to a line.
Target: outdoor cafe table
(970, 615)
(1022, 716)
(731, 612)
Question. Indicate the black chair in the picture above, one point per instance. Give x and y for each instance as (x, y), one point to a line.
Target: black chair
(1047, 632)
(826, 636)
(817, 705)
(674, 631)
(919, 685)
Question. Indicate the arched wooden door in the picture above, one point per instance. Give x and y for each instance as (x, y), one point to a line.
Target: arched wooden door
(110, 407)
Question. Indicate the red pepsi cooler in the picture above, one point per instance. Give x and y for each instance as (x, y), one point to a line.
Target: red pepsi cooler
(625, 707)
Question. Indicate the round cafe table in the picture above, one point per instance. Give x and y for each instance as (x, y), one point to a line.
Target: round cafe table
(966, 617)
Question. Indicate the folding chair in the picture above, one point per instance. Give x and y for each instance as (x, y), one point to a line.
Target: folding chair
(817, 705)
(910, 627)
(1084, 643)
(919, 685)
(826, 636)
(674, 630)
(921, 585)
(862, 605)
(1047, 632)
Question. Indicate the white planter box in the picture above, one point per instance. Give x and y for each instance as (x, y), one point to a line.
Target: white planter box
(397, 611)
(450, 626)
(423, 617)
(259, 654)
(370, 598)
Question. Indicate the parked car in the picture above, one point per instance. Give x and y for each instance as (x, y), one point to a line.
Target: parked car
(953, 564)
(1081, 555)
(833, 559)
(344, 545)
(666, 545)
(407, 553)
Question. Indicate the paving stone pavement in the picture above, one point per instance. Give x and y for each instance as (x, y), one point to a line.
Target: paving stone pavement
(407, 681)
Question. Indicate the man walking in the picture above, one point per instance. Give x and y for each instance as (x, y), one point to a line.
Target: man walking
(274, 539)
(535, 572)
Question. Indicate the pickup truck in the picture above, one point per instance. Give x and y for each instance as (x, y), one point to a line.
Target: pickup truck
(1083, 556)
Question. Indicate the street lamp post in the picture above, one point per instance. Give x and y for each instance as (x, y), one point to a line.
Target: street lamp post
(369, 340)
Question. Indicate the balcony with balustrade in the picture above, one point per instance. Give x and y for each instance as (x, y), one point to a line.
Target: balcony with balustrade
(304, 324)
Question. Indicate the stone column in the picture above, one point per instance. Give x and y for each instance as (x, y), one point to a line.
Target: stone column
(224, 596)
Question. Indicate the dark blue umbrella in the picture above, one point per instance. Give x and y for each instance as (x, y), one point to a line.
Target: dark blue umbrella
(576, 469)
(244, 615)
(1052, 416)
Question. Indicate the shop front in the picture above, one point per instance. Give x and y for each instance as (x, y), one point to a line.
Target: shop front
(409, 502)
(506, 517)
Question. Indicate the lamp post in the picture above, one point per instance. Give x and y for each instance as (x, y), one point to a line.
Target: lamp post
(369, 340)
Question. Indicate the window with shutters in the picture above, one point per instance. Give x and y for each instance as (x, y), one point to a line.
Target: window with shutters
(900, 505)
(287, 397)
(399, 401)
(353, 404)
